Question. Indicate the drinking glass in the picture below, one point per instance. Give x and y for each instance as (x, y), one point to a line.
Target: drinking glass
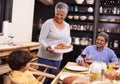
(88, 60)
(116, 63)
(10, 41)
(83, 56)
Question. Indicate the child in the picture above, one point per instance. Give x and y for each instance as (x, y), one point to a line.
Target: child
(19, 63)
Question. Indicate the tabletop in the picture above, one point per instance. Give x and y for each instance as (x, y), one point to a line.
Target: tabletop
(66, 72)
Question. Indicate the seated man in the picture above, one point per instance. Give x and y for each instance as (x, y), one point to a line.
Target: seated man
(19, 63)
(98, 52)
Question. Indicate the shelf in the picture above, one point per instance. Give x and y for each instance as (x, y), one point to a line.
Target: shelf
(115, 33)
(111, 33)
(109, 14)
(80, 13)
(83, 4)
(82, 46)
(113, 22)
(73, 20)
(116, 49)
(85, 31)
(117, 5)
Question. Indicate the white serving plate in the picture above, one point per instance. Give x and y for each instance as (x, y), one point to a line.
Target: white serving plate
(62, 50)
(63, 77)
(76, 68)
(102, 82)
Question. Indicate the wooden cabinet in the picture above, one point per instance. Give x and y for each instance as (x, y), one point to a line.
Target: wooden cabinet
(106, 17)
(81, 20)
(109, 21)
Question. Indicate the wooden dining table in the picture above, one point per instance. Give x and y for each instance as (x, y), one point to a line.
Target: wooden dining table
(65, 71)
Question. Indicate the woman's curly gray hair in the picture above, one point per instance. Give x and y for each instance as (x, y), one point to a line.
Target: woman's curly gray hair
(60, 6)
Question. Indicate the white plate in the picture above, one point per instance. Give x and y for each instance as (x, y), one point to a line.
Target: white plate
(76, 68)
(62, 50)
(63, 76)
(118, 71)
(101, 82)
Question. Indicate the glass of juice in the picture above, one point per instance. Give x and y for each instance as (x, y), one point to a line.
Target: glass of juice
(110, 66)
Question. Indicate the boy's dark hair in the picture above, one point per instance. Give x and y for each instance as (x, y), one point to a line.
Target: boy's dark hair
(18, 59)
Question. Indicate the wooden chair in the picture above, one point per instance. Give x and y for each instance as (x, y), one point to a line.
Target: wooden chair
(41, 76)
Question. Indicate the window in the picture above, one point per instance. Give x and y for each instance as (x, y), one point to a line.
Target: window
(5, 12)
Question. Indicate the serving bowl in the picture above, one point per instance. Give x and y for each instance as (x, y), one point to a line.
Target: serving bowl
(76, 17)
(83, 17)
(79, 1)
(70, 17)
(89, 1)
(90, 18)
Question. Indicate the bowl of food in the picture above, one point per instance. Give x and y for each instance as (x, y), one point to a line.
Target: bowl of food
(62, 48)
(75, 80)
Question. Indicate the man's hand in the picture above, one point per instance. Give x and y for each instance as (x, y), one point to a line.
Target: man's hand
(81, 63)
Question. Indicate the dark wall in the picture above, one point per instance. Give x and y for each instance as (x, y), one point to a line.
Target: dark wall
(66, 1)
(42, 11)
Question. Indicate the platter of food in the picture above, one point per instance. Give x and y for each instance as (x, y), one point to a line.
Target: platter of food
(62, 48)
(74, 79)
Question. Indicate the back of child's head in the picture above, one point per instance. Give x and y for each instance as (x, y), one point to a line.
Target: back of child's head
(18, 59)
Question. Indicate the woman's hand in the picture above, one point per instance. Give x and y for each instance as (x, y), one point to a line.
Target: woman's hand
(81, 63)
(50, 49)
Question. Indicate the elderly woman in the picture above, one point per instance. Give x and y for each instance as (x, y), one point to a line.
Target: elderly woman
(99, 52)
(54, 31)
